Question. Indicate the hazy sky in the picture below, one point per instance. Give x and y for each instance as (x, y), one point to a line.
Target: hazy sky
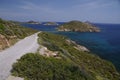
(102, 11)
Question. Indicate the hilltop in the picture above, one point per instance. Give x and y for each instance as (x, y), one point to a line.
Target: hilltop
(11, 32)
(78, 26)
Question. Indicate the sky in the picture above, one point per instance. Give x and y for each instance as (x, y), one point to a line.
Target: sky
(98, 11)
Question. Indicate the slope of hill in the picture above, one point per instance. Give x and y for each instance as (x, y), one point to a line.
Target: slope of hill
(69, 63)
(11, 32)
(78, 26)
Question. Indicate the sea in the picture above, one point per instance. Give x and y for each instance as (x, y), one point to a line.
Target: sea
(105, 44)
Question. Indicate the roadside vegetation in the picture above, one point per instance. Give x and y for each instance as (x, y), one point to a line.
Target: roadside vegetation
(37, 67)
(10, 28)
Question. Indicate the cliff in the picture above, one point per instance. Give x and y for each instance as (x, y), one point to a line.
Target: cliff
(78, 26)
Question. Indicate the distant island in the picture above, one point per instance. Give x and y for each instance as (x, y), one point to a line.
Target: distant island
(33, 22)
(51, 23)
(78, 26)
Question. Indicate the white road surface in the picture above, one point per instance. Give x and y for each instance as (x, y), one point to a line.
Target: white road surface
(10, 55)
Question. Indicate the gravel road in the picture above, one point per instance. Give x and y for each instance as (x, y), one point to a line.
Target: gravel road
(10, 55)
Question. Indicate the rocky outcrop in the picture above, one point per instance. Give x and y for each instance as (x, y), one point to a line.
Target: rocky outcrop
(76, 46)
(6, 42)
(3, 42)
(44, 51)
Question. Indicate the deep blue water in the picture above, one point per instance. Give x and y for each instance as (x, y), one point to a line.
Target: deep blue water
(105, 44)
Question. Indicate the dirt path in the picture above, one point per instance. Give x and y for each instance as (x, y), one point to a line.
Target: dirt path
(10, 55)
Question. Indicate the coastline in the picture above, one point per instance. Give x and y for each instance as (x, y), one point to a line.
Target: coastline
(77, 54)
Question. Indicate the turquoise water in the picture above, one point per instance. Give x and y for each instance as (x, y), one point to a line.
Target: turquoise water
(106, 44)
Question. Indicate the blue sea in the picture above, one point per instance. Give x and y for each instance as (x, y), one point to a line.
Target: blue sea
(105, 44)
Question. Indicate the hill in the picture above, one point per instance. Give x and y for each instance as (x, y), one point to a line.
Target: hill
(33, 22)
(69, 62)
(78, 26)
(51, 23)
(11, 32)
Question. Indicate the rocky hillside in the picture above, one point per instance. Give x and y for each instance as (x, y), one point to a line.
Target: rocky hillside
(11, 32)
(78, 26)
(63, 59)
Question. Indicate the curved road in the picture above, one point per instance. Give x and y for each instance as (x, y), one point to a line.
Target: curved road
(10, 55)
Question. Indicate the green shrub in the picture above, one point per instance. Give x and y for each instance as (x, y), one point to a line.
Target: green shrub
(37, 67)
(2, 27)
